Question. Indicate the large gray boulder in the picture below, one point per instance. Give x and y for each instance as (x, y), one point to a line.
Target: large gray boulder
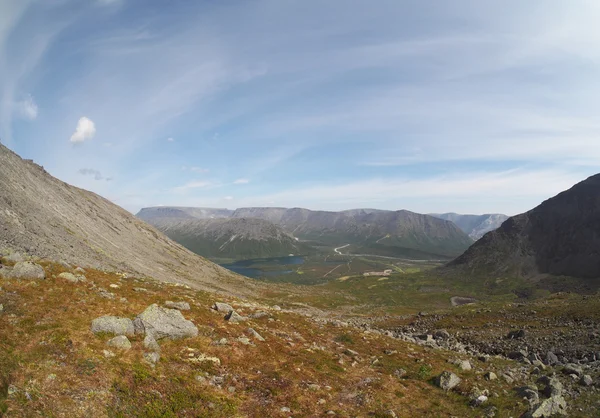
(26, 270)
(447, 380)
(164, 323)
(113, 325)
(555, 405)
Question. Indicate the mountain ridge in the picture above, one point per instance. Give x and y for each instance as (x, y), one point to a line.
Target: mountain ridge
(47, 217)
(561, 236)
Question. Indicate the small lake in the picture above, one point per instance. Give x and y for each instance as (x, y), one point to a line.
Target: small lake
(265, 267)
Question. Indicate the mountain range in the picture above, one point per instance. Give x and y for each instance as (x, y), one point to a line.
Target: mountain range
(560, 237)
(365, 231)
(475, 226)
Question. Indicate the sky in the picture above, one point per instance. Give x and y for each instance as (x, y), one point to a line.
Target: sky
(425, 105)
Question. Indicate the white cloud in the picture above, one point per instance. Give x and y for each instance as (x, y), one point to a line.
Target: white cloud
(27, 108)
(241, 181)
(199, 170)
(86, 129)
(170, 139)
(228, 198)
(192, 185)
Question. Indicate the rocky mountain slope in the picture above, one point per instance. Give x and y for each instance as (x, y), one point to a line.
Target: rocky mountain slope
(559, 237)
(46, 217)
(475, 226)
(369, 231)
(236, 238)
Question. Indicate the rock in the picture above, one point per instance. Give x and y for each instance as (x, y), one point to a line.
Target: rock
(441, 334)
(121, 342)
(79, 270)
(399, 373)
(464, 365)
(586, 379)
(551, 358)
(164, 323)
(285, 409)
(573, 369)
(14, 258)
(255, 334)
(108, 353)
(182, 306)
(150, 343)
(26, 270)
(518, 334)
(530, 393)
(553, 386)
(480, 400)
(222, 307)
(71, 277)
(276, 308)
(152, 357)
(549, 407)
(447, 380)
(490, 412)
(234, 317)
(244, 340)
(113, 325)
(258, 315)
(490, 376)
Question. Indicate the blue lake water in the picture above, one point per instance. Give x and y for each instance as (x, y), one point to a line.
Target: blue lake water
(255, 268)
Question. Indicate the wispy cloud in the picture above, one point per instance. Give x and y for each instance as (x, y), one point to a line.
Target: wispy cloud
(27, 108)
(241, 181)
(97, 175)
(198, 184)
(170, 139)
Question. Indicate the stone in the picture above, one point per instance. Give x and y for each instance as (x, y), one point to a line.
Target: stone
(285, 409)
(150, 343)
(79, 270)
(14, 257)
(530, 393)
(113, 325)
(152, 357)
(490, 376)
(222, 307)
(244, 340)
(464, 365)
(573, 369)
(182, 306)
(553, 386)
(26, 270)
(108, 353)
(276, 307)
(549, 407)
(447, 380)
(255, 334)
(164, 323)
(480, 400)
(234, 317)
(258, 315)
(517, 334)
(70, 277)
(121, 342)
(586, 379)
(1, 308)
(399, 373)
(441, 334)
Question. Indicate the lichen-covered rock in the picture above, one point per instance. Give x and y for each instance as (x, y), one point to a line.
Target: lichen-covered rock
(447, 380)
(164, 323)
(222, 307)
(235, 317)
(152, 358)
(121, 342)
(70, 277)
(113, 325)
(150, 343)
(26, 270)
(182, 306)
(549, 407)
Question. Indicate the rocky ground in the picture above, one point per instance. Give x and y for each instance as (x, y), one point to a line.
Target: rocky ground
(82, 342)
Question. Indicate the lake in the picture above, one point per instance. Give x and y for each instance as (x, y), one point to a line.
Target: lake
(264, 267)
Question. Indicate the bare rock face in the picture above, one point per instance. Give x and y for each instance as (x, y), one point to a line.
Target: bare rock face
(26, 270)
(46, 217)
(558, 237)
(113, 325)
(164, 323)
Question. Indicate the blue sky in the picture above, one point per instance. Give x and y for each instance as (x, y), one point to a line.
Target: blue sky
(431, 106)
